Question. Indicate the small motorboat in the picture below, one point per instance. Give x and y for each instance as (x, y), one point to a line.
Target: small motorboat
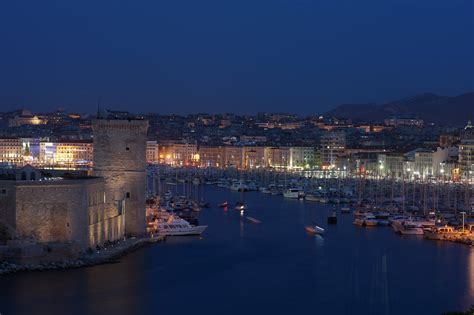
(240, 206)
(314, 229)
(223, 205)
(253, 220)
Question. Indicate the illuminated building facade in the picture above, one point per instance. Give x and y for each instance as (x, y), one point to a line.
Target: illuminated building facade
(152, 152)
(333, 144)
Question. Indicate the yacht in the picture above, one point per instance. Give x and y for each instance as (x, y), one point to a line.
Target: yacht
(175, 226)
(239, 186)
(293, 193)
(265, 190)
(410, 228)
(311, 198)
(441, 233)
(370, 220)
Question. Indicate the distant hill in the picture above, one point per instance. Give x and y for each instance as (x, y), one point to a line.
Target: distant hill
(447, 110)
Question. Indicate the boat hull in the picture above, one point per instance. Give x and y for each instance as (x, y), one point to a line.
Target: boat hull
(195, 230)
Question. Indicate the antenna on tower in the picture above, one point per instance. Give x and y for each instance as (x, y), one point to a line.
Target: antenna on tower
(98, 108)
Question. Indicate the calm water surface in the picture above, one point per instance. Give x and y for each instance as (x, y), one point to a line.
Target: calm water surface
(275, 267)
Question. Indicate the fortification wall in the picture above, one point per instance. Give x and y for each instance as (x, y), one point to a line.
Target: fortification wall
(120, 158)
(7, 209)
(58, 211)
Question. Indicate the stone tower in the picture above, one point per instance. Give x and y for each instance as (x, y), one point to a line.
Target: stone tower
(120, 158)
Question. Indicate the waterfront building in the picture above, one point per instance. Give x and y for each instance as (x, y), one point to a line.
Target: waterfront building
(429, 163)
(254, 157)
(333, 144)
(277, 157)
(19, 151)
(11, 150)
(211, 156)
(178, 154)
(71, 154)
(391, 164)
(233, 157)
(301, 157)
(74, 153)
(466, 159)
(152, 152)
(466, 153)
(185, 154)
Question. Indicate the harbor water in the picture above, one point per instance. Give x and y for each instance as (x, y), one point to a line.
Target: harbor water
(275, 267)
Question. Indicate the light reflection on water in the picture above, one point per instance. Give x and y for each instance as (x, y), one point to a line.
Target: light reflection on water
(470, 276)
(273, 268)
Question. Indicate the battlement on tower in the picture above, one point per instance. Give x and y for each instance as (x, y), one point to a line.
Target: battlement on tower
(115, 125)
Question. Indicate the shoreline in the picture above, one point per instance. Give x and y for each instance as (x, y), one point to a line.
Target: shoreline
(105, 256)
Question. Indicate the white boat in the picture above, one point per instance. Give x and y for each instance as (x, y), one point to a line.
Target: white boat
(293, 193)
(265, 190)
(410, 229)
(314, 229)
(311, 198)
(176, 226)
(239, 186)
(196, 181)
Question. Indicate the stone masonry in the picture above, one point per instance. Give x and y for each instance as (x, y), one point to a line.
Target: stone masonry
(120, 158)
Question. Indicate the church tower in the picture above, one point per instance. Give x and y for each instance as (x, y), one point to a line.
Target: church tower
(120, 158)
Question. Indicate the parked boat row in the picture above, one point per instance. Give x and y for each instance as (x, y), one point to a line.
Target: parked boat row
(172, 216)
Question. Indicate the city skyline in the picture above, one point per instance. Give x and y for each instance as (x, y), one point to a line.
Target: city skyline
(237, 157)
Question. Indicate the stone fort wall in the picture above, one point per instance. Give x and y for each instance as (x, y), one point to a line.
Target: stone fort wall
(120, 158)
(60, 211)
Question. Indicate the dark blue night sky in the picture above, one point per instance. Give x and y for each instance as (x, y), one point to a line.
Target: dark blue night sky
(245, 56)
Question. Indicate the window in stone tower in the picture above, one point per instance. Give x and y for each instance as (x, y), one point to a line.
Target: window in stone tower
(128, 195)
